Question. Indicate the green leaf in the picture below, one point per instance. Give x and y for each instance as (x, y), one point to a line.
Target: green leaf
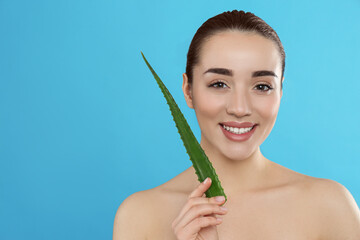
(201, 163)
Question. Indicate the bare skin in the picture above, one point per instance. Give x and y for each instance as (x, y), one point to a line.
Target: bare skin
(292, 206)
(265, 200)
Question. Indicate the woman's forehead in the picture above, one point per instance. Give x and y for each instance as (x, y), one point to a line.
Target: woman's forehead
(239, 51)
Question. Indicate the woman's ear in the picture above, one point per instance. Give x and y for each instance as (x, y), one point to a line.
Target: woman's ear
(281, 91)
(186, 87)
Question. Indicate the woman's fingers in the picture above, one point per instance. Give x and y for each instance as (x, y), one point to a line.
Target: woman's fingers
(198, 223)
(196, 197)
(200, 211)
(198, 201)
(201, 189)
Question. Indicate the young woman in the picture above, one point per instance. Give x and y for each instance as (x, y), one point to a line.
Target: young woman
(233, 81)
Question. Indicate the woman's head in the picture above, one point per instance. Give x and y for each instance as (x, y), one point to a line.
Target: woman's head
(235, 20)
(236, 83)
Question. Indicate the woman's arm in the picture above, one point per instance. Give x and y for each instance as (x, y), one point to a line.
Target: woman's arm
(130, 222)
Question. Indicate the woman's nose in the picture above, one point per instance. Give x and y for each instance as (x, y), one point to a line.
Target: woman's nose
(239, 104)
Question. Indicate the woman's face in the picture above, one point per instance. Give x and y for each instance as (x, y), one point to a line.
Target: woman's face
(236, 81)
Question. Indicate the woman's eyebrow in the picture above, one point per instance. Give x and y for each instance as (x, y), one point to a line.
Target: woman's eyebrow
(264, 73)
(229, 72)
(222, 71)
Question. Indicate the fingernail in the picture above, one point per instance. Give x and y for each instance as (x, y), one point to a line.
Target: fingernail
(220, 198)
(223, 209)
(206, 180)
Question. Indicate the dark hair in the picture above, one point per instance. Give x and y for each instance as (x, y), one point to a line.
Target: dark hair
(235, 20)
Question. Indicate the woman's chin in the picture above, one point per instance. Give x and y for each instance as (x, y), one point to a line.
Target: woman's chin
(231, 151)
(239, 154)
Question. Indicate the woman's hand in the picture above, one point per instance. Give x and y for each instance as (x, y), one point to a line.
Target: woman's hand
(197, 220)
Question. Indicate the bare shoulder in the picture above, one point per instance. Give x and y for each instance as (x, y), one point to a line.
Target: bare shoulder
(332, 194)
(328, 188)
(330, 208)
(329, 195)
(131, 217)
(336, 208)
(148, 214)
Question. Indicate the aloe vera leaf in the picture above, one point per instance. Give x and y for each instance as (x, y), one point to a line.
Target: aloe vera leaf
(202, 165)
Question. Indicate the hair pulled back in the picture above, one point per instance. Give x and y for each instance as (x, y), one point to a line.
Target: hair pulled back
(234, 20)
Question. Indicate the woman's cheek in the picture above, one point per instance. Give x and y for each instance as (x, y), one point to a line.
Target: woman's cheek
(207, 111)
(267, 107)
(208, 104)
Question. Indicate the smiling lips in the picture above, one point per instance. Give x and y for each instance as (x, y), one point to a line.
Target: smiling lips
(235, 131)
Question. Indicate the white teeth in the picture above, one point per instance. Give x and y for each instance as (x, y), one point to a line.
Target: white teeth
(237, 130)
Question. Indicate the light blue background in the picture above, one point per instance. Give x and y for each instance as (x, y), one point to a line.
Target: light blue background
(83, 124)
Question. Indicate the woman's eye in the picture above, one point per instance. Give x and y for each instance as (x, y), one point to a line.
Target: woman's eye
(263, 87)
(218, 85)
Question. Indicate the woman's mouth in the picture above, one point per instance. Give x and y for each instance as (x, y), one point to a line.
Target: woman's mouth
(237, 130)
(238, 134)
